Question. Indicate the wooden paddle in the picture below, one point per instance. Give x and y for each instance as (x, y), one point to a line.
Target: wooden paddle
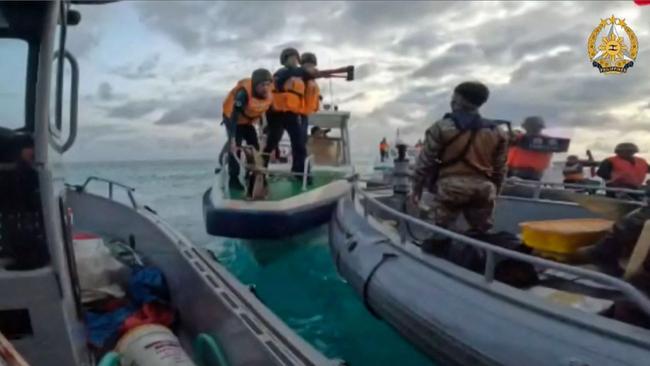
(8, 354)
(609, 208)
(640, 252)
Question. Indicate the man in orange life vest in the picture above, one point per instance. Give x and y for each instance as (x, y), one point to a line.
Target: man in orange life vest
(624, 170)
(525, 163)
(383, 149)
(311, 102)
(243, 107)
(288, 107)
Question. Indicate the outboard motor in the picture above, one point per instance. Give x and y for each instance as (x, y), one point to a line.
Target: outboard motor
(401, 174)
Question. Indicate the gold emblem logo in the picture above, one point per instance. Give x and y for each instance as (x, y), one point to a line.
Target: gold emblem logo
(617, 49)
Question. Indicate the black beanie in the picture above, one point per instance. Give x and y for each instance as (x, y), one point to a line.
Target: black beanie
(474, 92)
(260, 76)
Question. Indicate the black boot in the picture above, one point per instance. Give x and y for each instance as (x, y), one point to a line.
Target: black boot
(437, 245)
(605, 262)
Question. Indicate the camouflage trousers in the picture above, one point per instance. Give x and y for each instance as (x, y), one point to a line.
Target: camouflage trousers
(473, 197)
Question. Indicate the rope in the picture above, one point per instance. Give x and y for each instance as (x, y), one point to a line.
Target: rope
(366, 284)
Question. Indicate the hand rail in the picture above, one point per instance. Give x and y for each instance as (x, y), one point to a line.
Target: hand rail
(74, 99)
(111, 183)
(542, 184)
(539, 185)
(491, 250)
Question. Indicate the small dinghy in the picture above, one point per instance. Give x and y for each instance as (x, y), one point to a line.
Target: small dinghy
(464, 314)
(293, 203)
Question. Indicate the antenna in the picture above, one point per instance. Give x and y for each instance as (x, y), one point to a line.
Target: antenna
(331, 93)
(331, 90)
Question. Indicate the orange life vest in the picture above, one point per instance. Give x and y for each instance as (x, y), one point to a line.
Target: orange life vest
(574, 176)
(312, 97)
(383, 146)
(291, 97)
(573, 172)
(626, 173)
(521, 158)
(253, 110)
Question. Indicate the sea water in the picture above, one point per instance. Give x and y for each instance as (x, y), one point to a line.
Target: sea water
(295, 278)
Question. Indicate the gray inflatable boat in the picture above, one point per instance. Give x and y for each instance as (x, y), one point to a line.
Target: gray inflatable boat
(461, 317)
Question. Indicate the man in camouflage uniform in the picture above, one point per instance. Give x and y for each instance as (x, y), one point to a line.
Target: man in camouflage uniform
(464, 159)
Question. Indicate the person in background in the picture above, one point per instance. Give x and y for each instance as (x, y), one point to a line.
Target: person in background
(319, 132)
(418, 146)
(525, 163)
(464, 161)
(624, 170)
(573, 170)
(244, 106)
(383, 149)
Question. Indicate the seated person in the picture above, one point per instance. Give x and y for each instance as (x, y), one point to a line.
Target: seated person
(319, 132)
(573, 170)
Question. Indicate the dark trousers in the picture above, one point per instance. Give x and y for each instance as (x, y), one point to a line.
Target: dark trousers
(243, 133)
(278, 122)
(383, 155)
(623, 237)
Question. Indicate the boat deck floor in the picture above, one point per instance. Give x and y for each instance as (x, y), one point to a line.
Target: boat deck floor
(284, 186)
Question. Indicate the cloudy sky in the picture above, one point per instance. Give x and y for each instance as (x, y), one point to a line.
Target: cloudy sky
(154, 73)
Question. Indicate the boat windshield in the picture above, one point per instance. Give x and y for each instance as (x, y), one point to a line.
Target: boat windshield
(13, 76)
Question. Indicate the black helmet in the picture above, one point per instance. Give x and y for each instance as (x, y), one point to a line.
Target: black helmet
(626, 147)
(308, 58)
(473, 91)
(533, 122)
(260, 76)
(288, 52)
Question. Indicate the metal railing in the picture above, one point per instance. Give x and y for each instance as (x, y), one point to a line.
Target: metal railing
(111, 184)
(583, 187)
(492, 251)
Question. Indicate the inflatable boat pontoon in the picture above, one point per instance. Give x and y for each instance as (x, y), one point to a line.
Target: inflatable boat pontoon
(460, 317)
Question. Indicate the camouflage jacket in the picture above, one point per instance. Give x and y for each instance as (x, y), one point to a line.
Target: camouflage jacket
(485, 157)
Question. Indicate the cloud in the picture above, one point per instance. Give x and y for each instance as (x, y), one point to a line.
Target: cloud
(364, 70)
(203, 106)
(80, 44)
(105, 92)
(456, 57)
(198, 25)
(135, 109)
(143, 70)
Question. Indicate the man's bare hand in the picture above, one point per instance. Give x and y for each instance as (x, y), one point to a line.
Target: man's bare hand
(415, 198)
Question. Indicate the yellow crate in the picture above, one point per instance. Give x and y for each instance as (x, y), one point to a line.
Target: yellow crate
(563, 236)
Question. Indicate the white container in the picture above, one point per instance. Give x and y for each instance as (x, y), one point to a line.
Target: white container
(152, 345)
